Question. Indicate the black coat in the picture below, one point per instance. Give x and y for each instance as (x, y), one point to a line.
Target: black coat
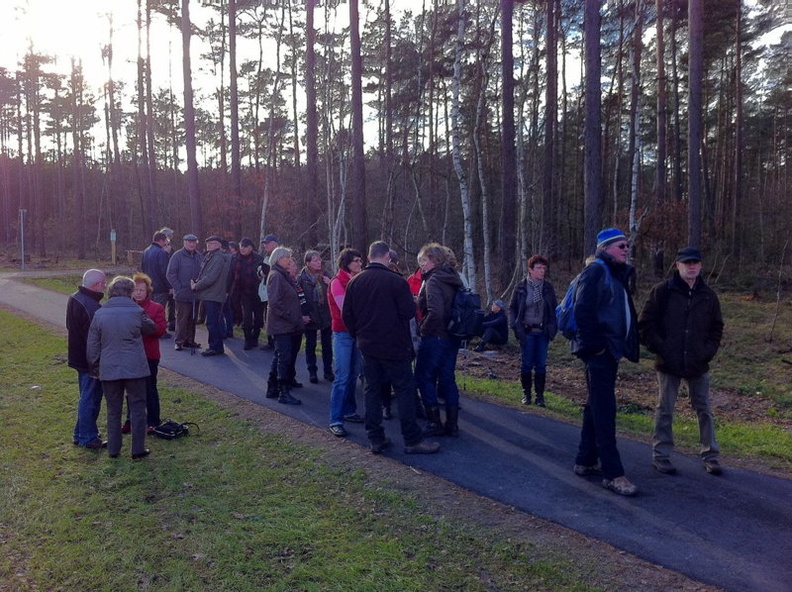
(682, 326)
(378, 306)
(517, 310)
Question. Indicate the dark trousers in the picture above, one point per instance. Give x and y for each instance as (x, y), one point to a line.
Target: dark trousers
(326, 335)
(185, 322)
(252, 316)
(283, 362)
(136, 400)
(152, 396)
(399, 373)
(598, 433)
(215, 325)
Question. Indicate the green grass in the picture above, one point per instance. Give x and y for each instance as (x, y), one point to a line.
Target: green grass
(230, 508)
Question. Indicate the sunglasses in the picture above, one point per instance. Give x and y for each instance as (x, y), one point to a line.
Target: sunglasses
(622, 246)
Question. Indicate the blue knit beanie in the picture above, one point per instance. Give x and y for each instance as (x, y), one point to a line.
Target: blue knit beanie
(608, 236)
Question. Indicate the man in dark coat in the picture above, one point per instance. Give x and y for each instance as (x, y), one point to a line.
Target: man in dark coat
(155, 265)
(377, 310)
(681, 323)
(183, 267)
(606, 333)
(80, 311)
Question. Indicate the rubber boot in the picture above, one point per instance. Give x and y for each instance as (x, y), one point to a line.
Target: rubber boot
(435, 427)
(539, 382)
(285, 396)
(525, 380)
(452, 417)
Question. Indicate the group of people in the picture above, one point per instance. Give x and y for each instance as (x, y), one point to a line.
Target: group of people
(392, 331)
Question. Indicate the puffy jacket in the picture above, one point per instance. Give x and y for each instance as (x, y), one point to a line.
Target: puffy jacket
(316, 290)
(682, 326)
(517, 310)
(604, 312)
(155, 265)
(435, 299)
(212, 283)
(79, 313)
(284, 315)
(115, 341)
(377, 310)
(183, 267)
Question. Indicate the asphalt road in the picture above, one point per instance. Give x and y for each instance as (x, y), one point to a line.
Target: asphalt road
(733, 531)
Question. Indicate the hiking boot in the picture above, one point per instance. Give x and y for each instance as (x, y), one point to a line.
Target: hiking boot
(380, 446)
(96, 444)
(586, 470)
(338, 430)
(354, 418)
(423, 447)
(663, 465)
(620, 485)
(712, 466)
(294, 384)
(287, 399)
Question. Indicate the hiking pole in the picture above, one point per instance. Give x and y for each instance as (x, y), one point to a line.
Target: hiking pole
(192, 341)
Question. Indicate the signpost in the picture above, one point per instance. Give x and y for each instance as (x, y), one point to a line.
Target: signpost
(113, 245)
(22, 214)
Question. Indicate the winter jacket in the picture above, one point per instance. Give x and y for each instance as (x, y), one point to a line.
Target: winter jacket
(435, 299)
(377, 310)
(338, 291)
(115, 341)
(155, 265)
(498, 323)
(284, 316)
(682, 326)
(156, 312)
(244, 274)
(517, 310)
(604, 311)
(212, 282)
(315, 290)
(183, 267)
(80, 311)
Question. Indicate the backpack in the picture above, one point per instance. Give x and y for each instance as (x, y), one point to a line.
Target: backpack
(467, 317)
(170, 430)
(565, 312)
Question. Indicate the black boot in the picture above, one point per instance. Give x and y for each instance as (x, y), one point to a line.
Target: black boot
(286, 396)
(435, 427)
(272, 390)
(525, 380)
(539, 381)
(452, 417)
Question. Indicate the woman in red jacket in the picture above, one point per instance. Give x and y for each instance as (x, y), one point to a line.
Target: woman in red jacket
(156, 312)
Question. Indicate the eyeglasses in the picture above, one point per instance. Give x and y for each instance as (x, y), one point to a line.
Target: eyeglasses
(357, 260)
(622, 246)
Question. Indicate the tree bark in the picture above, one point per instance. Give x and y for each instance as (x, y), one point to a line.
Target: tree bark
(593, 126)
(695, 114)
(193, 187)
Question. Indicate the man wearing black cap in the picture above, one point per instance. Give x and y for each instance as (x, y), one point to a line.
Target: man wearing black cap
(211, 286)
(184, 266)
(681, 323)
(244, 274)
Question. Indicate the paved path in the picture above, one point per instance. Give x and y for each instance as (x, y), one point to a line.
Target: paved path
(733, 531)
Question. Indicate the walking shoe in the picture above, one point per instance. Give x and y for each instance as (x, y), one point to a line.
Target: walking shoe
(329, 376)
(287, 399)
(354, 418)
(212, 352)
(126, 428)
(96, 444)
(585, 470)
(712, 466)
(249, 346)
(525, 400)
(178, 347)
(479, 348)
(380, 446)
(663, 465)
(620, 485)
(193, 345)
(338, 430)
(295, 384)
(423, 447)
(140, 455)
(313, 379)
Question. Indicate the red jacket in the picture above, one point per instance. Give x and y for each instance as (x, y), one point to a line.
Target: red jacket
(156, 313)
(336, 292)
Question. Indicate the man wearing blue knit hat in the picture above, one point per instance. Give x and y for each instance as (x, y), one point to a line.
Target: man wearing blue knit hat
(606, 332)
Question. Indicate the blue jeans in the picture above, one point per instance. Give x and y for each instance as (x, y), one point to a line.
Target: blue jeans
(434, 370)
(533, 353)
(215, 325)
(85, 430)
(598, 433)
(398, 373)
(342, 395)
(326, 336)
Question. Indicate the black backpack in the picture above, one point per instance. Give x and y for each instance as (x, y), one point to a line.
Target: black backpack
(467, 317)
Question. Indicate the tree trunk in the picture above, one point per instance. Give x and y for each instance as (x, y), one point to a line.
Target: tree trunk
(236, 157)
(662, 108)
(695, 115)
(593, 130)
(547, 244)
(508, 236)
(193, 187)
(312, 122)
(358, 174)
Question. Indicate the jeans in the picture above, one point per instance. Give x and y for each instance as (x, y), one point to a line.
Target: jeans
(598, 433)
(379, 372)
(85, 430)
(215, 325)
(136, 400)
(434, 370)
(326, 336)
(533, 353)
(342, 395)
(663, 436)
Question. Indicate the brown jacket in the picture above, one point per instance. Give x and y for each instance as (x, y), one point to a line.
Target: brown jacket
(284, 315)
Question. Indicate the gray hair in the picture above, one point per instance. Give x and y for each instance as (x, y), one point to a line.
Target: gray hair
(279, 253)
(92, 276)
(310, 254)
(121, 286)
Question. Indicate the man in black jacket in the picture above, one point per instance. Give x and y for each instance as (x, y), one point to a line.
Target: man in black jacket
(377, 310)
(681, 323)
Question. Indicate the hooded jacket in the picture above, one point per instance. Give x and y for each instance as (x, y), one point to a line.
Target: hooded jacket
(435, 299)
